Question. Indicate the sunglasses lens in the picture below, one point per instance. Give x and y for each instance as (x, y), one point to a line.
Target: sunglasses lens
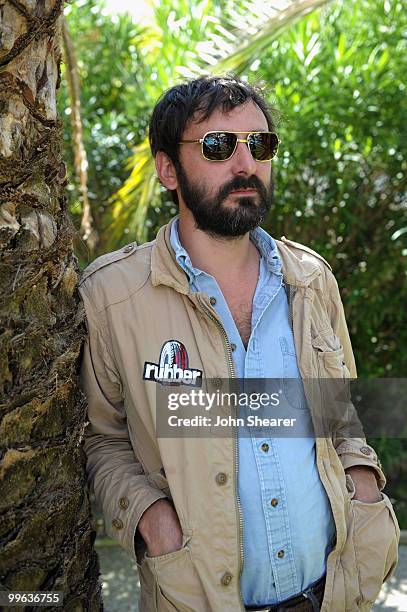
(263, 145)
(219, 146)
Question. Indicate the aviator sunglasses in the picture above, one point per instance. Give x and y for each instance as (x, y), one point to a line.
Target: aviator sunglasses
(221, 145)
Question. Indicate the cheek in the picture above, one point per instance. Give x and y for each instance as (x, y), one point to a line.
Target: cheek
(208, 175)
(264, 174)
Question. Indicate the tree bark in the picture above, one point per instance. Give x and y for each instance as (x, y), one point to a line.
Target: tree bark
(46, 537)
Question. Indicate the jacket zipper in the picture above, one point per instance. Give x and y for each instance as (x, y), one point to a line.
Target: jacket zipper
(231, 367)
(290, 295)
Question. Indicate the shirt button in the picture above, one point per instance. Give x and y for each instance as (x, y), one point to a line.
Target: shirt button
(233, 346)
(226, 579)
(221, 478)
(128, 248)
(280, 554)
(212, 300)
(117, 523)
(265, 447)
(123, 503)
(274, 502)
(365, 450)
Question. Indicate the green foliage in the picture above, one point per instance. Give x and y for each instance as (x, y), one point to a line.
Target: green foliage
(114, 109)
(340, 177)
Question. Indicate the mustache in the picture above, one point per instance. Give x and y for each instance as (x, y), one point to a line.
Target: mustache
(239, 182)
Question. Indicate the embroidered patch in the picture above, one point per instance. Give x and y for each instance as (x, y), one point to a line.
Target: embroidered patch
(172, 368)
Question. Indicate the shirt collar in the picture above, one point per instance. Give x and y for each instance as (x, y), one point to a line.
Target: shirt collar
(181, 255)
(267, 248)
(263, 241)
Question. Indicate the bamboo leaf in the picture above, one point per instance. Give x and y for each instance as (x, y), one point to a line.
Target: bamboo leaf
(383, 59)
(341, 48)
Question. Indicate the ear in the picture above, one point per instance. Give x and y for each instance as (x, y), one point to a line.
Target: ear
(166, 171)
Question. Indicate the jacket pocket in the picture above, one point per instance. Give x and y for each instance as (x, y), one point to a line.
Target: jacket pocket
(371, 549)
(330, 355)
(177, 587)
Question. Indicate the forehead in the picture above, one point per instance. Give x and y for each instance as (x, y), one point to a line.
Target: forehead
(246, 117)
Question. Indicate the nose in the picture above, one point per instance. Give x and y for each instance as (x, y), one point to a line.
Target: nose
(242, 160)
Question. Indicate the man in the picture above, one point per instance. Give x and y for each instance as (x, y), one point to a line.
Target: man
(228, 523)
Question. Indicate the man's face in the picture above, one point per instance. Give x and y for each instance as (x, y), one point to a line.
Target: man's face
(226, 198)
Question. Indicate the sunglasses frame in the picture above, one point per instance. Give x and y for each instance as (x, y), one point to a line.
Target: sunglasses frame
(201, 141)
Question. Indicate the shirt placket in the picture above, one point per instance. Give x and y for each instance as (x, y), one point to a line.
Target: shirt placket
(274, 505)
(273, 498)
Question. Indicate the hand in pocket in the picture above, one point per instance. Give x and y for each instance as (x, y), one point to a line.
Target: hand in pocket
(160, 528)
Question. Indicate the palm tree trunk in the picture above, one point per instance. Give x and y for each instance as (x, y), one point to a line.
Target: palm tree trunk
(46, 538)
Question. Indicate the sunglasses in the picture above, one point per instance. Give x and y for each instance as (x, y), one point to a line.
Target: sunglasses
(220, 146)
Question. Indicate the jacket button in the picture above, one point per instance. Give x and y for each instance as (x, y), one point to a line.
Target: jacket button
(365, 450)
(221, 478)
(128, 248)
(212, 301)
(274, 502)
(280, 554)
(123, 503)
(217, 383)
(117, 523)
(226, 579)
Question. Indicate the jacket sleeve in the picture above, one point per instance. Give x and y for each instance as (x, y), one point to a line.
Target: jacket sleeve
(114, 472)
(351, 451)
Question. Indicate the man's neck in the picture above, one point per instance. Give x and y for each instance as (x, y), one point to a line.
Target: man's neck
(223, 258)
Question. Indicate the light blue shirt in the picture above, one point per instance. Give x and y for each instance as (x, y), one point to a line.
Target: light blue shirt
(288, 527)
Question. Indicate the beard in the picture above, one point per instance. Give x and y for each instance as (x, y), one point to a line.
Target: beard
(214, 217)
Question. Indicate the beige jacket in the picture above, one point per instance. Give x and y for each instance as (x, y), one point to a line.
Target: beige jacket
(138, 298)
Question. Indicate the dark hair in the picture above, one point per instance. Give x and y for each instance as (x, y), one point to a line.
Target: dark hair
(197, 99)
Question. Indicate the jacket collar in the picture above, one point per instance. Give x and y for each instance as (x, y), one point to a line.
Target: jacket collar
(164, 267)
(299, 266)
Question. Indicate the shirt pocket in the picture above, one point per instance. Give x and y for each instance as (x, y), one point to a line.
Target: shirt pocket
(292, 381)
